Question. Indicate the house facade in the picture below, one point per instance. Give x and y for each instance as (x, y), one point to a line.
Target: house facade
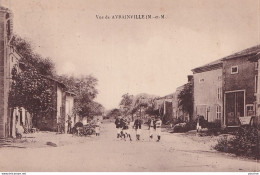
(5, 38)
(208, 91)
(240, 79)
(226, 89)
(50, 121)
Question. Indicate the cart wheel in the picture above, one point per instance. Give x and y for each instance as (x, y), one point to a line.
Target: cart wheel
(90, 132)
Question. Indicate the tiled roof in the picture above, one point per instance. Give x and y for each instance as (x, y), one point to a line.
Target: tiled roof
(249, 51)
(217, 63)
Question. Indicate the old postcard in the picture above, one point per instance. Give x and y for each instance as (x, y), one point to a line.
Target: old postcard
(129, 86)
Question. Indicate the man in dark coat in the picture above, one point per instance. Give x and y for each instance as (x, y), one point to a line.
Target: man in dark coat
(118, 124)
(138, 127)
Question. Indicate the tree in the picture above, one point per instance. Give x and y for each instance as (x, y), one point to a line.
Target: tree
(85, 90)
(44, 66)
(185, 99)
(30, 87)
(126, 103)
(114, 113)
(31, 91)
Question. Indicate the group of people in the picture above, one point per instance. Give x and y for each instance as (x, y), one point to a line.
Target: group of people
(126, 128)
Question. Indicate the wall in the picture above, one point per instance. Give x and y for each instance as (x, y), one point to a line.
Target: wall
(206, 94)
(243, 80)
(4, 64)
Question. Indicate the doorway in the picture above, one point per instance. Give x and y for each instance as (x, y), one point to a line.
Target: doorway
(235, 107)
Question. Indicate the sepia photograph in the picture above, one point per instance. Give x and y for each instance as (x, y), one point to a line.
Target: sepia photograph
(129, 86)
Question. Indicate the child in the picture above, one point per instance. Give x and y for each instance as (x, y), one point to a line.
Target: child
(130, 130)
(158, 128)
(124, 127)
(97, 128)
(152, 126)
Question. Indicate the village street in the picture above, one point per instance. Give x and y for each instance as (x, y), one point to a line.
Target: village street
(175, 152)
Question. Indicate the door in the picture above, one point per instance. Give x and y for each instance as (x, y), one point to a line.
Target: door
(234, 107)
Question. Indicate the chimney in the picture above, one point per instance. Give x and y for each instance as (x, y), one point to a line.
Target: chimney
(190, 78)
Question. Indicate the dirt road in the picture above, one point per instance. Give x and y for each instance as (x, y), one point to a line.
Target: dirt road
(105, 153)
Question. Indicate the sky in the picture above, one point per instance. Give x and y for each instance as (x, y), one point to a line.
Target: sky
(135, 56)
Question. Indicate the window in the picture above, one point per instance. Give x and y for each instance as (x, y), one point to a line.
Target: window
(250, 110)
(218, 111)
(219, 93)
(219, 78)
(201, 80)
(234, 69)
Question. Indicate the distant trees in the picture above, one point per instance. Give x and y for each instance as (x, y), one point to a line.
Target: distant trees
(126, 103)
(142, 103)
(113, 113)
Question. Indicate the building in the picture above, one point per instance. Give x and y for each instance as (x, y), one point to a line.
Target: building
(240, 77)
(5, 38)
(208, 98)
(163, 107)
(10, 117)
(50, 121)
(226, 89)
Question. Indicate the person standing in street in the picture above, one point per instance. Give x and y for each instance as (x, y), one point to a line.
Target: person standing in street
(138, 127)
(97, 127)
(118, 126)
(130, 129)
(69, 125)
(124, 127)
(158, 128)
(152, 126)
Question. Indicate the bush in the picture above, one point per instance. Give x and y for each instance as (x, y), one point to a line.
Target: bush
(244, 142)
(191, 125)
(214, 127)
(180, 127)
(184, 127)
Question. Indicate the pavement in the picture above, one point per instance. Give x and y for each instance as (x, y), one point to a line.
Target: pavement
(175, 152)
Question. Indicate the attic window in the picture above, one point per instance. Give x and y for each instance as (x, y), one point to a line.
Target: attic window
(234, 69)
(201, 80)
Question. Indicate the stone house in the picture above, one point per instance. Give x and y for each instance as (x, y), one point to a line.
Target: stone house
(5, 38)
(9, 59)
(240, 77)
(226, 88)
(49, 122)
(208, 98)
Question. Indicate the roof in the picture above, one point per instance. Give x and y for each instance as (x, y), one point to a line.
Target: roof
(247, 52)
(210, 66)
(255, 57)
(218, 63)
